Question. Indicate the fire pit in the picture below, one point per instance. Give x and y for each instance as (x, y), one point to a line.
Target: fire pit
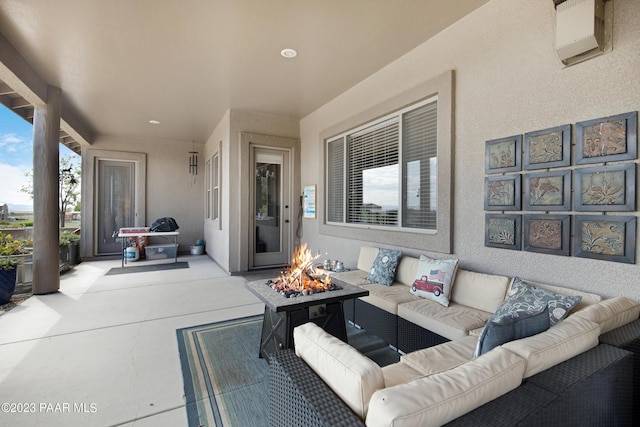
(302, 278)
(312, 303)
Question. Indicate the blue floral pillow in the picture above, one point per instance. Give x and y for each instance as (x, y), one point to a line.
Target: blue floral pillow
(525, 294)
(384, 267)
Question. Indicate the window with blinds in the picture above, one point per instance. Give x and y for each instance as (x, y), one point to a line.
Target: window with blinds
(384, 173)
(335, 180)
(207, 180)
(216, 186)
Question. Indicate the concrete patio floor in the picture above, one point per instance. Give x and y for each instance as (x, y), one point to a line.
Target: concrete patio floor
(103, 351)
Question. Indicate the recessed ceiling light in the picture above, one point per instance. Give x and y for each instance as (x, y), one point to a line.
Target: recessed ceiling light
(154, 122)
(288, 53)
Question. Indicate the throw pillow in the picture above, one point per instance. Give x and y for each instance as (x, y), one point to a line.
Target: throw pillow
(384, 267)
(527, 295)
(510, 323)
(434, 279)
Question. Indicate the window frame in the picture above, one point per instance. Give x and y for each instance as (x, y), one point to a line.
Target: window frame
(215, 186)
(395, 118)
(441, 240)
(208, 180)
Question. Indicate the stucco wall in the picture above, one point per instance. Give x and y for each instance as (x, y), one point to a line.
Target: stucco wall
(216, 232)
(227, 243)
(509, 81)
(170, 189)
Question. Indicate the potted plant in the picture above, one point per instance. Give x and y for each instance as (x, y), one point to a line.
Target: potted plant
(69, 247)
(9, 248)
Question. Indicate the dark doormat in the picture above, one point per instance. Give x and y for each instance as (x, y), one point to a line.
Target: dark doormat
(147, 268)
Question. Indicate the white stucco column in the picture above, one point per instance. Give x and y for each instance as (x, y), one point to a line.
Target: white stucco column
(46, 248)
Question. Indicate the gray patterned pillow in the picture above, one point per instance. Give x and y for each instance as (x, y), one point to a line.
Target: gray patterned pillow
(384, 267)
(524, 294)
(510, 323)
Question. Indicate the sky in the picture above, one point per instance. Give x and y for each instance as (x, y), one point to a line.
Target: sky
(16, 159)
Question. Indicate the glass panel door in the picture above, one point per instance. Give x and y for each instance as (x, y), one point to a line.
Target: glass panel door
(270, 212)
(116, 202)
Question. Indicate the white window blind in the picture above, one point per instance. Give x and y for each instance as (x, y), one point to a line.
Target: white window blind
(385, 173)
(419, 154)
(335, 181)
(372, 172)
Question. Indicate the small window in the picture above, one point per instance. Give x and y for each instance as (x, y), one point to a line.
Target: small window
(216, 186)
(207, 180)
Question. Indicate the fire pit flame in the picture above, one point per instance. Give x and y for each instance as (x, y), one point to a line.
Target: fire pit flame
(301, 278)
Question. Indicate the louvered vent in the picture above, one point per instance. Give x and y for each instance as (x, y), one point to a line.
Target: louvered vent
(580, 29)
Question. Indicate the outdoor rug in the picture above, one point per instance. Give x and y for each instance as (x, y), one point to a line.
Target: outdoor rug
(227, 384)
(147, 268)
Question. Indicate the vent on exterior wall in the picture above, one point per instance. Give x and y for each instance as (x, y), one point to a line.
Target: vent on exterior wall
(580, 30)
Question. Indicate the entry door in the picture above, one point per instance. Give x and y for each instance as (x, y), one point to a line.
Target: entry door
(271, 207)
(115, 202)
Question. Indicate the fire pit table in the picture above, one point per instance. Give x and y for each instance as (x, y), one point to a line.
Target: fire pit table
(282, 314)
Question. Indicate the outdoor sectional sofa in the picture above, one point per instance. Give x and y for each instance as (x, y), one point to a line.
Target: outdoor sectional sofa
(578, 371)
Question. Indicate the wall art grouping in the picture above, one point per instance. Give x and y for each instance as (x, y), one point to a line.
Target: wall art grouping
(535, 175)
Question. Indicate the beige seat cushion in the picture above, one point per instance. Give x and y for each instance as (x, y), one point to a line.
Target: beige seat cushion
(441, 357)
(440, 398)
(478, 290)
(611, 313)
(451, 322)
(353, 277)
(561, 342)
(388, 297)
(352, 376)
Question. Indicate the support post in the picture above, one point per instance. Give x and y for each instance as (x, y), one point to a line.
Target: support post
(46, 231)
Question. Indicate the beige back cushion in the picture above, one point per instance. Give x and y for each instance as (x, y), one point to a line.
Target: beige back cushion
(561, 342)
(366, 258)
(479, 290)
(611, 313)
(352, 376)
(407, 268)
(437, 399)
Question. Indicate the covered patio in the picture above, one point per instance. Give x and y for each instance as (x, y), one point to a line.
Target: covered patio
(107, 343)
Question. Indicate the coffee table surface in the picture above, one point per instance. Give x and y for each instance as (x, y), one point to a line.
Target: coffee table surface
(277, 302)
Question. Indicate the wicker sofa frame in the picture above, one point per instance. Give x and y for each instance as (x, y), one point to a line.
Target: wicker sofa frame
(593, 388)
(396, 331)
(377, 321)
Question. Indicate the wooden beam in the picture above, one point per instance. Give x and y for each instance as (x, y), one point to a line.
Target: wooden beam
(6, 101)
(17, 73)
(19, 102)
(74, 125)
(5, 89)
(29, 113)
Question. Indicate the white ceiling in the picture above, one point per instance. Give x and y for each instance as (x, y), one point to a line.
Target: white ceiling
(121, 63)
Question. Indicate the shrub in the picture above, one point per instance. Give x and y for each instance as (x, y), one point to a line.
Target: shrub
(67, 238)
(10, 246)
